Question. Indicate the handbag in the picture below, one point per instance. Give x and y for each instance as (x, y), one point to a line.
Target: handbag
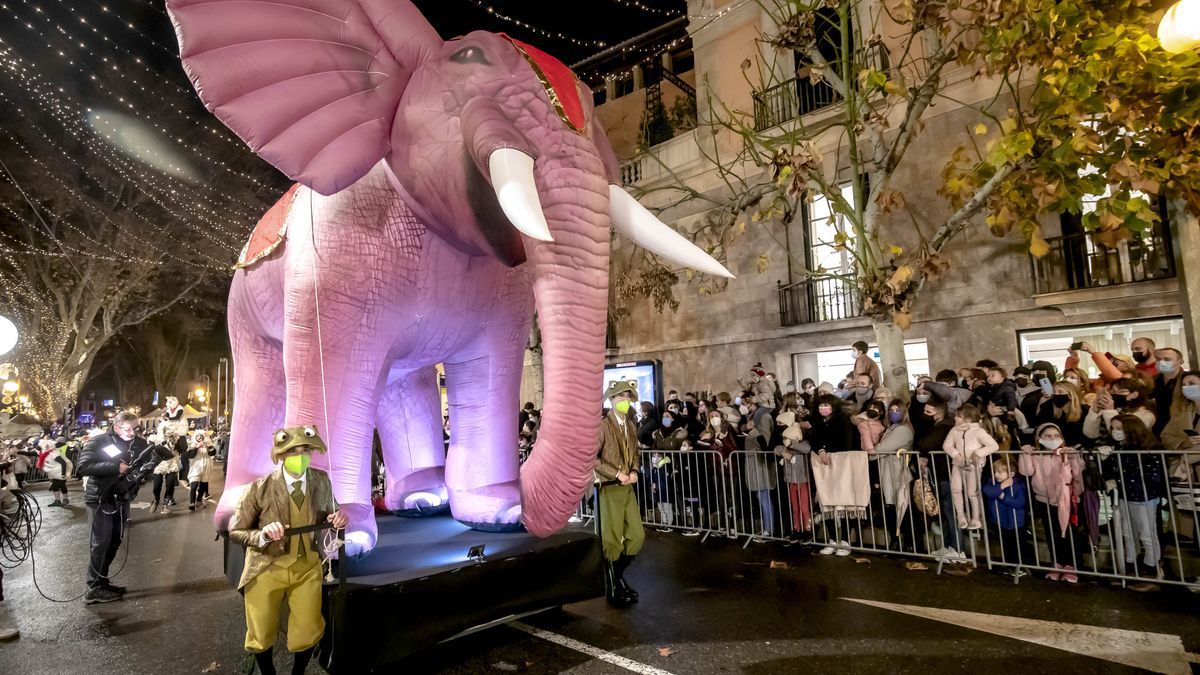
(924, 498)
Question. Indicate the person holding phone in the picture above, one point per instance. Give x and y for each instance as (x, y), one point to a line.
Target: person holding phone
(1183, 430)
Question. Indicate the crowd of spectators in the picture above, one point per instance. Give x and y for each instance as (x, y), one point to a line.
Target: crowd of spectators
(978, 447)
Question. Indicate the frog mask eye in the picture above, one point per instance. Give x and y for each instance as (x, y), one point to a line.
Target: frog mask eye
(310, 432)
(281, 436)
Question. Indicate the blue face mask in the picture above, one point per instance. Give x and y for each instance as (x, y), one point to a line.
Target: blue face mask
(1165, 367)
(666, 421)
(1191, 392)
(895, 416)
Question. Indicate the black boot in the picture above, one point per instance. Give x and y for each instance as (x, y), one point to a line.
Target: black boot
(612, 592)
(623, 586)
(265, 662)
(301, 660)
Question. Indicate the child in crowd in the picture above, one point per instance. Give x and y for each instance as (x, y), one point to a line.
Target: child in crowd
(791, 449)
(1007, 506)
(968, 445)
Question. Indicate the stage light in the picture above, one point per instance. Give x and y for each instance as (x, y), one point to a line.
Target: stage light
(476, 553)
(11, 387)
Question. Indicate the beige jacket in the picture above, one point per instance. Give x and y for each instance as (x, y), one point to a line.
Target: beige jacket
(618, 448)
(265, 502)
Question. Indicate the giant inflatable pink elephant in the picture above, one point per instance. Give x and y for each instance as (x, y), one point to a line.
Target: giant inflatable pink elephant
(446, 189)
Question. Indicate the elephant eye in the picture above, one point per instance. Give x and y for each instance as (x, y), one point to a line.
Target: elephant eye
(470, 55)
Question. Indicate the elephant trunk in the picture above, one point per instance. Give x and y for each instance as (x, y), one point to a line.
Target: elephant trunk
(570, 283)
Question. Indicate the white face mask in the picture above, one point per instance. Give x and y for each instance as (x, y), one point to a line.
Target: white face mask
(715, 422)
(1051, 443)
(744, 410)
(1118, 435)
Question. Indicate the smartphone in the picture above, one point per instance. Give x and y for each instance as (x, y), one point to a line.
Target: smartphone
(1075, 346)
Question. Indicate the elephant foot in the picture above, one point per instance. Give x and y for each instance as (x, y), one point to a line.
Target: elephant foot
(419, 494)
(361, 533)
(491, 508)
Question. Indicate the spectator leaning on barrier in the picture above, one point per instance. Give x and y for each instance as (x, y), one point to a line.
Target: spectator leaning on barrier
(1007, 503)
(1137, 474)
(1067, 411)
(1055, 471)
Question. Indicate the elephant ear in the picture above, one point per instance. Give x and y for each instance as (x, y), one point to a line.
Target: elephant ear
(312, 86)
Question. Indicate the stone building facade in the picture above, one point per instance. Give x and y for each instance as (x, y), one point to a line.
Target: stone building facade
(995, 301)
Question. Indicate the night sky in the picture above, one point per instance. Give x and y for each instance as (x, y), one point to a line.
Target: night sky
(140, 28)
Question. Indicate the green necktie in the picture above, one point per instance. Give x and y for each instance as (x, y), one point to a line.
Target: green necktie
(298, 497)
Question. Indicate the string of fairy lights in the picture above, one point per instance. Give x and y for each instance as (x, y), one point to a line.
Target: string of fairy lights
(74, 43)
(87, 50)
(69, 113)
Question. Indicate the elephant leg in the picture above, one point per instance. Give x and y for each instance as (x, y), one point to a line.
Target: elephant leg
(409, 420)
(259, 392)
(482, 467)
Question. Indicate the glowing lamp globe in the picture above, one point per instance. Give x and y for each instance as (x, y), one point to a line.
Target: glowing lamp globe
(8, 335)
(1179, 29)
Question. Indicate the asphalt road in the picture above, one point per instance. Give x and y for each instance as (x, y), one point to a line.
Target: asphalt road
(708, 607)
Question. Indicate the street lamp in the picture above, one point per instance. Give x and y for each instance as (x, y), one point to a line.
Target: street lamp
(1179, 29)
(8, 335)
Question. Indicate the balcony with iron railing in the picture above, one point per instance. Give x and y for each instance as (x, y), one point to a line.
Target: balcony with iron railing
(817, 300)
(800, 96)
(1077, 262)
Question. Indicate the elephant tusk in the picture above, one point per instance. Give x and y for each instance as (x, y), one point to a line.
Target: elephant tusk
(632, 219)
(511, 172)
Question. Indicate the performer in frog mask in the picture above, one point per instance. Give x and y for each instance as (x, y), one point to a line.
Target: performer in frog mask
(276, 568)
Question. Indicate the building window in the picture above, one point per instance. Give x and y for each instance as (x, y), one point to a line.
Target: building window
(1051, 344)
(832, 365)
(824, 228)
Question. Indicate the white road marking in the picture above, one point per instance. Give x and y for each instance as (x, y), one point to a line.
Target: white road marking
(1156, 652)
(594, 652)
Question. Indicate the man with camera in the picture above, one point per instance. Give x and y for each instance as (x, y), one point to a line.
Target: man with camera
(103, 462)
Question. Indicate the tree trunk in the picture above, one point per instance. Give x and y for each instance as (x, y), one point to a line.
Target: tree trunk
(891, 353)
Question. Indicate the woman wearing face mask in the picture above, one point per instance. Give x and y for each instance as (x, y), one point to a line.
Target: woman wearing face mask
(670, 434)
(1080, 379)
(832, 432)
(1128, 395)
(1183, 430)
(1137, 473)
(893, 450)
(1055, 471)
(720, 440)
(1066, 410)
(1166, 386)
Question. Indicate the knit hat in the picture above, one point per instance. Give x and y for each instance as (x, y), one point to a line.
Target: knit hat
(295, 437)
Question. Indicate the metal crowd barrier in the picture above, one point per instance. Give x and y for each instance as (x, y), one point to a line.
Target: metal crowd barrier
(930, 510)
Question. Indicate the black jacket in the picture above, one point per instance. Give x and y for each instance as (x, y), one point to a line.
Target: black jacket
(835, 434)
(929, 445)
(100, 462)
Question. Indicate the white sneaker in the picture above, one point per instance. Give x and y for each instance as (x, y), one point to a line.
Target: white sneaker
(692, 533)
(842, 552)
(828, 550)
(940, 553)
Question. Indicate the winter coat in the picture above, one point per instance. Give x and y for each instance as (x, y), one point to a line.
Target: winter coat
(1095, 424)
(759, 471)
(954, 397)
(57, 466)
(865, 365)
(869, 433)
(1005, 395)
(1140, 476)
(1008, 513)
(100, 464)
(1175, 436)
(1056, 479)
(969, 444)
(831, 434)
(793, 450)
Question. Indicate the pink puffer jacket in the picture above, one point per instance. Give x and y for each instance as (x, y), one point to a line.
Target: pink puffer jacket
(1056, 479)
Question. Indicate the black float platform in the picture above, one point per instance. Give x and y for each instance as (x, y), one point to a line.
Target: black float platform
(418, 587)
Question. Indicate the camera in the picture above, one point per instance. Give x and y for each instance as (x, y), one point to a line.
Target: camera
(140, 472)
